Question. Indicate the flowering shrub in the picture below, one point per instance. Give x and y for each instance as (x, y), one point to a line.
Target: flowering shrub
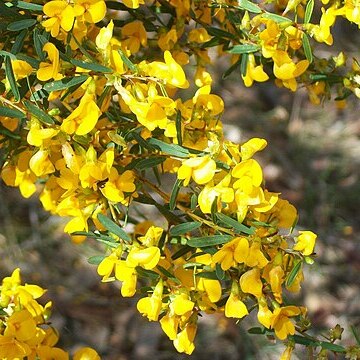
(94, 117)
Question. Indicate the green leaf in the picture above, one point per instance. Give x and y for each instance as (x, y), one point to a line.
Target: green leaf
(147, 273)
(256, 331)
(231, 69)
(307, 48)
(178, 127)
(21, 24)
(65, 83)
(174, 193)
(308, 11)
(168, 274)
(220, 33)
(11, 77)
(293, 273)
(207, 275)
(39, 42)
(19, 42)
(304, 340)
(277, 18)
(193, 201)
(149, 163)
(184, 228)
(220, 273)
(39, 113)
(8, 134)
(210, 240)
(244, 64)
(113, 227)
(96, 260)
(127, 61)
(181, 252)
(244, 49)
(332, 347)
(238, 227)
(13, 113)
(91, 66)
(356, 334)
(9, 54)
(249, 6)
(28, 6)
(170, 149)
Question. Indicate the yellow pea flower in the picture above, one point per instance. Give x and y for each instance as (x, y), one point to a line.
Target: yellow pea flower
(84, 118)
(50, 70)
(147, 258)
(21, 325)
(168, 39)
(200, 169)
(40, 163)
(61, 15)
(151, 306)
(92, 10)
(169, 324)
(21, 69)
(211, 287)
(251, 283)
(128, 276)
(181, 304)
(276, 276)
(264, 315)
(256, 256)
(234, 307)
(152, 236)
(251, 147)
(11, 348)
(133, 34)
(253, 72)
(37, 135)
(184, 342)
(249, 173)
(281, 323)
(305, 242)
(208, 102)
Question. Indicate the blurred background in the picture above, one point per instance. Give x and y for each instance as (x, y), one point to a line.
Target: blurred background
(312, 158)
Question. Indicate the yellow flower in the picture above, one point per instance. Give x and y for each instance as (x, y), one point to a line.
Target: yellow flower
(50, 70)
(181, 304)
(61, 14)
(151, 306)
(234, 307)
(152, 236)
(86, 353)
(134, 35)
(21, 69)
(169, 324)
(305, 242)
(253, 72)
(251, 147)
(251, 283)
(184, 342)
(200, 169)
(147, 258)
(92, 10)
(276, 276)
(211, 287)
(10, 348)
(281, 323)
(21, 326)
(41, 164)
(133, 4)
(84, 118)
(256, 256)
(128, 276)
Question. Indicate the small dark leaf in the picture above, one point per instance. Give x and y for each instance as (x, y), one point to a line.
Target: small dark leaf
(293, 273)
(11, 77)
(65, 83)
(91, 66)
(21, 24)
(184, 228)
(113, 227)
(174, 193)
(205, 241)
(96, 260)
(39, 113)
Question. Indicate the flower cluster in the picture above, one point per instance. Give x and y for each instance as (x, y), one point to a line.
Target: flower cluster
(26, 332)
(96, 117)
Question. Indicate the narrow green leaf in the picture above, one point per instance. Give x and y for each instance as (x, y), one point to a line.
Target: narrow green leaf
(277, 18)
(39, 42)
(231, 69)
(170, 149)
(149, 163)
(39, 113)
(356, 334)
(113, 227)
(91, 66)
(307, 48)
(304, 340)
(249, 6)
(308, 11)
(210, 240)
(174, 193)
(238, 227)
(332, 347)
(65, 83)
(28, 6)
(9, 54)
(8, 134)
(256, 331)
(181, 252)
(220, 273)
(168, 274)
(220, 33)
(244, 64)
(11, 77)
(96, 260)
(193, 201)
(13, 113)
(207, 275)
(19, 41)
(178, 127)
(244, 49)
(21, 24)
(184, 228)
(147, 273)
(293, 273)
(127, 61)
